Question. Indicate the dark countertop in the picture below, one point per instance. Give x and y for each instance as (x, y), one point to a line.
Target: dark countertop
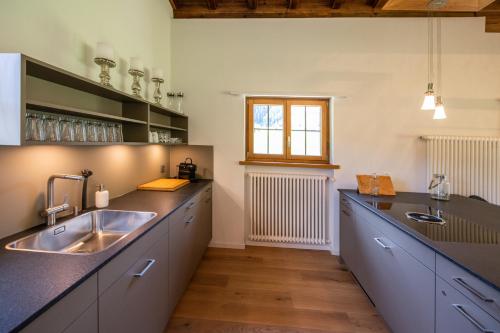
(470, 238)
(31, 282)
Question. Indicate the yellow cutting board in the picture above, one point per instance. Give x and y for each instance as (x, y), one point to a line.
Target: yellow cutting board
(164, 184)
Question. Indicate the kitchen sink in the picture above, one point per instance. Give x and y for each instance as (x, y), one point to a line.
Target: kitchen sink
(85, 234)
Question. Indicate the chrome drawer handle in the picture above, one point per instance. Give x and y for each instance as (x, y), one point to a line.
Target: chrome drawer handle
(381, 243)
(473, 320)
(476, 293)
(151, 262)
(190, 205)
(190, 220)
(345, 212)
(208, 190)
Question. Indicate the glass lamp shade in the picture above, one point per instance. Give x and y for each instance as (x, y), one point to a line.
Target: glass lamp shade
(429, 102)
(439, 112)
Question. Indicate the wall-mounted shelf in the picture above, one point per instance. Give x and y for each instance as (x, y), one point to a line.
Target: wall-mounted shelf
(50, 107)
(30, 84)
(167, 127)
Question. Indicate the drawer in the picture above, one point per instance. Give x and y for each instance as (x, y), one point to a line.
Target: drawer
(121, 263)
(456, 313)
(483, 295)
(418, 250)
(186, 211)
(61, 315)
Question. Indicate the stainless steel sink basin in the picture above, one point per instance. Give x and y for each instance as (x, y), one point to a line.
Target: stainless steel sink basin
(88, 233)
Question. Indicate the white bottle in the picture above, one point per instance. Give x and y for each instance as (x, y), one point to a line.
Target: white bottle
(101, 197)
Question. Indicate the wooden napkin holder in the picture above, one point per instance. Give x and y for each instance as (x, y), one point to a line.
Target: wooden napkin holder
(385, 185)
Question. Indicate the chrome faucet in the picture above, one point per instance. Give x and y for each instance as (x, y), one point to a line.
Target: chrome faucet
(52, 210)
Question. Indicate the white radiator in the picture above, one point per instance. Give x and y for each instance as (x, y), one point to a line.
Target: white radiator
(472, 164)
(288, 208)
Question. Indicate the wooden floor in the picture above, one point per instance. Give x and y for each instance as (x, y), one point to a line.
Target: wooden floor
(273, 290)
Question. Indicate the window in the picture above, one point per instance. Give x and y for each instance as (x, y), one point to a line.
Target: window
(287, 130)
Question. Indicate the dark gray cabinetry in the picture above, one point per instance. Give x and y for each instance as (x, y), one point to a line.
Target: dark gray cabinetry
(138, 301)
(477, 291)
(400, 286)
(190, 233)
(455, 313)
(75, 313)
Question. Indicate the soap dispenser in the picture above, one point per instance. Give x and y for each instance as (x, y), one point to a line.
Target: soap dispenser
(101, 197)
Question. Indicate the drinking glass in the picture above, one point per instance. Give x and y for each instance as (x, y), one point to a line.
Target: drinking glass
(91, 132)
(51, 127)
(119, 132)
(29, 126)
(80, 130)
(101, 132)
(67, 129)
(374, 184)
(110, 131)
(155, 137)
(39, 130)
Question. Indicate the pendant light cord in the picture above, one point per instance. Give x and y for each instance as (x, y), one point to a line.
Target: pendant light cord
(430, 47)
(439, 80)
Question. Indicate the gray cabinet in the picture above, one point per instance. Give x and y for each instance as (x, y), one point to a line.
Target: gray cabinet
(483, 295)
(190, 233)
(455, 313)
(138, 300)
(401, 287)
(75, 313)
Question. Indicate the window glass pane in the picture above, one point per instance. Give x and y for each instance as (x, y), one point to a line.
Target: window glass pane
(260, 115)
(298, 144)
(276, 116)
(276, 142)
(260, 141)
(313, 143)
(313, 118)
(298, 117)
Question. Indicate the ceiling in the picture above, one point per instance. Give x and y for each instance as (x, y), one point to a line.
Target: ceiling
(335, 8)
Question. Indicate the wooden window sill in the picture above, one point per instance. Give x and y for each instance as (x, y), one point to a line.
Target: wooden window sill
(292, 165)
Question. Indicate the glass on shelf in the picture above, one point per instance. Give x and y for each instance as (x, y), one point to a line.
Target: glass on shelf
(52, 130)
(67, 129)
(110, 132)
(171, 100)
(179, 98)
(91, 132)
(80, 130)
(119, 132)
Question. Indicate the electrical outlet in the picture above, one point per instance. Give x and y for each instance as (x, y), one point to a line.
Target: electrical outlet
(162, 169)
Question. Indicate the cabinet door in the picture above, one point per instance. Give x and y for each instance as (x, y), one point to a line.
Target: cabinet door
(401, 287)
(179, 253)
(455, 313)
(86, 323)
(74, 309)
(138, 301)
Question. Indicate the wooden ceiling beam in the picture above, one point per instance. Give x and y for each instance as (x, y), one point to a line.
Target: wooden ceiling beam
(336, 4)
(293, 4)
(492, 23)
(212, 4)
(252, 4)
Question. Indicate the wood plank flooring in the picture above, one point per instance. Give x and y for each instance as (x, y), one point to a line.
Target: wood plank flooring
(273, 290)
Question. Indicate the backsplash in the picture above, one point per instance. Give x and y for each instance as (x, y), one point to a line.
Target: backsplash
(24, 172)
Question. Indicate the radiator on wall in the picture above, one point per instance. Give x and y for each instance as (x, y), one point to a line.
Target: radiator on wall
(288, 208)
(472, 164)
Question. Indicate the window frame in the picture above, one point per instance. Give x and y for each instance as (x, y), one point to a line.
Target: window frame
(287, 156)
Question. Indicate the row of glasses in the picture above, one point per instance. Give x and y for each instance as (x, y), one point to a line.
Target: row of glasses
(48, 127)
(158, 136)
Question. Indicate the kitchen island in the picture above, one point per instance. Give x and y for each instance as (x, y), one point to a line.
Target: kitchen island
(425, 277)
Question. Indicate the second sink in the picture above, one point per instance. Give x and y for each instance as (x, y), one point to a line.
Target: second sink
(88, 233)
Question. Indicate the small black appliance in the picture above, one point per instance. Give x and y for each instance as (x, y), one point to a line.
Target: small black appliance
(187, 170)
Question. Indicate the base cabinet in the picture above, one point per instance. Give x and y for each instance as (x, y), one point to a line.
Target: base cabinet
(455, 313)
(399, 285)
(190, 233)
(138, 290)
(138, 301)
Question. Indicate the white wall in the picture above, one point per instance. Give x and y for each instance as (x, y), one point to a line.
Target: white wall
(378, 63)
(65, 33)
